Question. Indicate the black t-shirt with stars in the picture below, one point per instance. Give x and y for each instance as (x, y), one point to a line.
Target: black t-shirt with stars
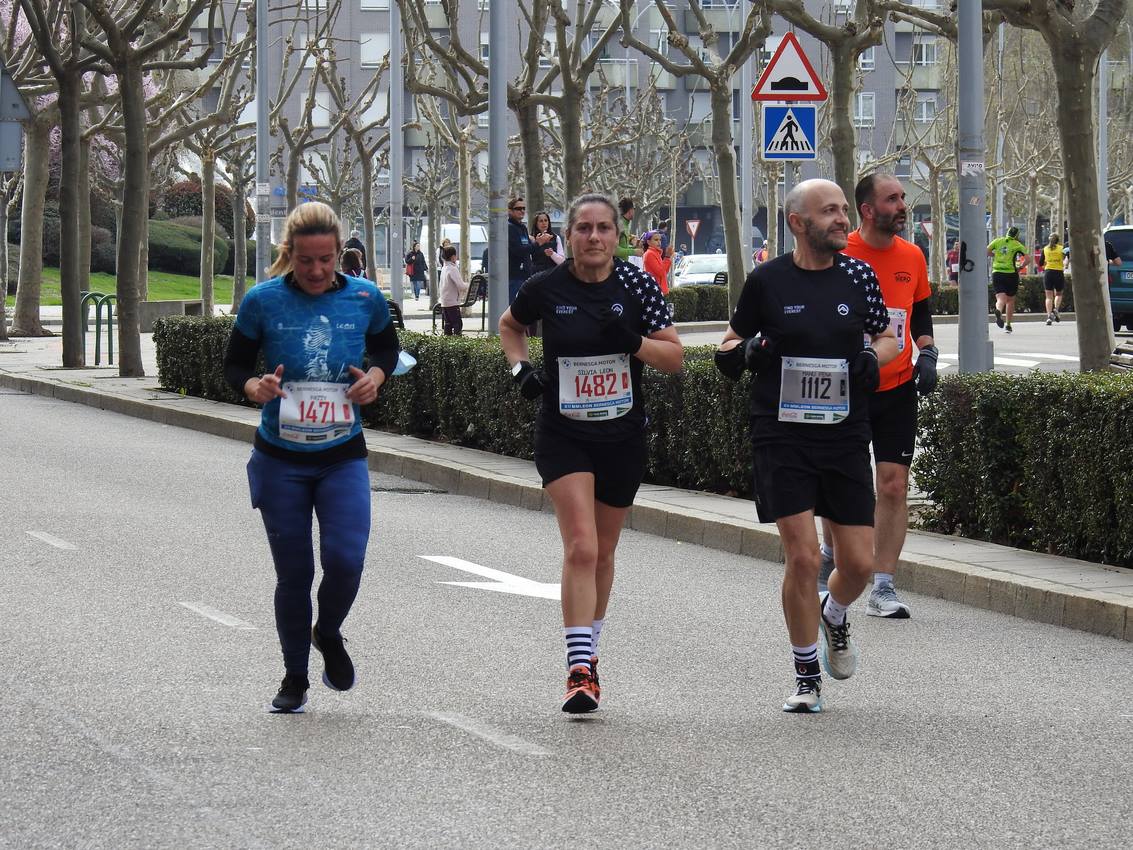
(823, 313)
(570, 309)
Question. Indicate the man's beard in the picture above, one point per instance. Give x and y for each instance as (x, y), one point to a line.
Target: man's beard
(892, 224)
(823, 242)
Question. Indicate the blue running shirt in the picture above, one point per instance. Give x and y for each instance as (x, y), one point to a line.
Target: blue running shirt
(316, 338)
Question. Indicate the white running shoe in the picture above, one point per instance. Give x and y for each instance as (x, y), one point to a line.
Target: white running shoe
(839, 653)
(883, 602)
(807, 698)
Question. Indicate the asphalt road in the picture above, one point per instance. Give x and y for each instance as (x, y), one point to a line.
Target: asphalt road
(1031, 346)
(139, 653)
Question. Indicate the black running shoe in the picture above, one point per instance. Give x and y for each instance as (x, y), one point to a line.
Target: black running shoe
(998, 317)
(338, 669)
(292, 695)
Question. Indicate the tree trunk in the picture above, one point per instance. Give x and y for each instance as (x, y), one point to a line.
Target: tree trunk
(431, 250)
(529, 137)
(366, 165)
(208, 228)
(938, 253)
(3, 258)
(69, 86)
(37, 149)
(133, 231)
(1032, 211)
(143, 247)
(570, 126)
(291, 180)
(84, 216)
(1076, 132)
(842, 139)
(464, 205)
(723, 146)
(239, 237)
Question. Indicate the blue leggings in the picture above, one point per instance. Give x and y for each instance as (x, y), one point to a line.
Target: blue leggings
(286, 494)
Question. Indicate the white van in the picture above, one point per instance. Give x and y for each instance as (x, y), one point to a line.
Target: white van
(477, 236)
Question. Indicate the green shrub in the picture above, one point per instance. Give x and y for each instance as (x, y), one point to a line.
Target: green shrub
(684, 302)
(177, 248)
(699, 303)
(1003, 460)
(184, 199)
(103, 250)
(462, 392)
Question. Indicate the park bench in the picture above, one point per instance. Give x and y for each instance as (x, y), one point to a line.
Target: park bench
(477, 291)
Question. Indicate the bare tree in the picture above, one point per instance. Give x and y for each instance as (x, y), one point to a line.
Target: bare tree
(130, 46)
(717, 71)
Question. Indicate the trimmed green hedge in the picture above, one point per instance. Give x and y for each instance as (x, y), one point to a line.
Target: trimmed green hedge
(176, 248)
(1036, 462)
(462, 392)
(1031, 298)
(699, 303)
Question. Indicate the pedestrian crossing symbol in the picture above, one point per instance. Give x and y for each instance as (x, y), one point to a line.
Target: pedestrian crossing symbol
(789, 131)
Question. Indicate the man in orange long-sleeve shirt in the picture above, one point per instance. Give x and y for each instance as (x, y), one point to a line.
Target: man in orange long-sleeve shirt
(903, 275)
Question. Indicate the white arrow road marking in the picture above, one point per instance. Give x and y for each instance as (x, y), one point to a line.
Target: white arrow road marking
(218, 616)
(493, 736)
(501, 582)
(1065, 357)
(51, 540)
(1013, 360)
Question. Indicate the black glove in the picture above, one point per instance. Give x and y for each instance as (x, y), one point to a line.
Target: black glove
(616, 334)
(532, 382)
(730, 363)
(865, 370)
(924, 373)
(759, 353)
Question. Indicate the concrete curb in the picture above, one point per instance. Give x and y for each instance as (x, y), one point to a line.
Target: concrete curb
(1023, 584)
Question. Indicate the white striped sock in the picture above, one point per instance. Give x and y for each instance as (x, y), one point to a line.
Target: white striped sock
(579, 644)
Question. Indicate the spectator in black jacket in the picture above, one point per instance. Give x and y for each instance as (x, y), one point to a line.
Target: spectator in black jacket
(417, 270)
(355, 242)
(520, 247)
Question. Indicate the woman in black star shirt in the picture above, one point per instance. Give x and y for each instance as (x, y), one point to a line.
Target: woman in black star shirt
(603, 320)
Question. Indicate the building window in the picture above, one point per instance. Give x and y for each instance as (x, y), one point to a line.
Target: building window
(548, 52)
(373, 48)
(924, 111)
(320, 114)
(924, 52)
(867, 59)
(903, 168)
(314, 5)
(699, 107)
(768, 50)
(485, 48)
(865, 113)
(375, 4)
(377, 110)
(659, 38)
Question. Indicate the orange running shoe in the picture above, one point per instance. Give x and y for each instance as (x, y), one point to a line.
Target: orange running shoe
(582, 693)
(594, 673)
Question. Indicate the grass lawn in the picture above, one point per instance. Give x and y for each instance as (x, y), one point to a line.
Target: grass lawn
(162, 287)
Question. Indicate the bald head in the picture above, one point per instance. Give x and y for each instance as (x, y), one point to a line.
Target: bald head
(816, 212)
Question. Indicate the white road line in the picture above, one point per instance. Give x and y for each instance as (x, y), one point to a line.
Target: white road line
(501, 582)
(1064, 357)
(51, 540)
(218, 616)
(492, 736)
(1015, 361)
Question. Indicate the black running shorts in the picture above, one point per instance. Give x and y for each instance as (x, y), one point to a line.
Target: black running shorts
(1006, 283)
(893, 418)
(1054, 280)
(835, 481)
(617, 467)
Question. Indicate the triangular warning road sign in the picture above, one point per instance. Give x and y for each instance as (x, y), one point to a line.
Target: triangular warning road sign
(789, 75)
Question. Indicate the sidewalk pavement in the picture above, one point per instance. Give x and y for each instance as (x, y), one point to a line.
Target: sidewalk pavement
(1049, 589)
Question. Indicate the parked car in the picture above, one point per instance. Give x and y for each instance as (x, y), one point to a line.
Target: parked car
(699, 268)
(1121, 276)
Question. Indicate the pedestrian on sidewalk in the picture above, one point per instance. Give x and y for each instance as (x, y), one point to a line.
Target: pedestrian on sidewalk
(552, 253)
(657, 260)
(603, 321)
(314, 327)
(799, 326)
(351, 263)
(903, 277)
(417, 270)
(453, 291)
(1054, 280)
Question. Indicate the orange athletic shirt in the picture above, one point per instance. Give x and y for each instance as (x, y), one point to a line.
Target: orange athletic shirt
(903, 276)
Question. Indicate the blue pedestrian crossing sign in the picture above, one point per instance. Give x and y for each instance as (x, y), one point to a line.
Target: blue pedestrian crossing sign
(789, 131)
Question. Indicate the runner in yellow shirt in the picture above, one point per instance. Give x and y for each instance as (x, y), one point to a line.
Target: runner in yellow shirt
(1005, 268)
(1053, 277)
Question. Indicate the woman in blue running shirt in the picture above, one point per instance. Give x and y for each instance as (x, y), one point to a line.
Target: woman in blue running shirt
(314, 326)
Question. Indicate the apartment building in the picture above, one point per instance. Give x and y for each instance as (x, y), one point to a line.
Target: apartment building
(901, 85)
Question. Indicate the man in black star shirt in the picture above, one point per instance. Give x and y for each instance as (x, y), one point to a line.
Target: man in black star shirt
(799, 327)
